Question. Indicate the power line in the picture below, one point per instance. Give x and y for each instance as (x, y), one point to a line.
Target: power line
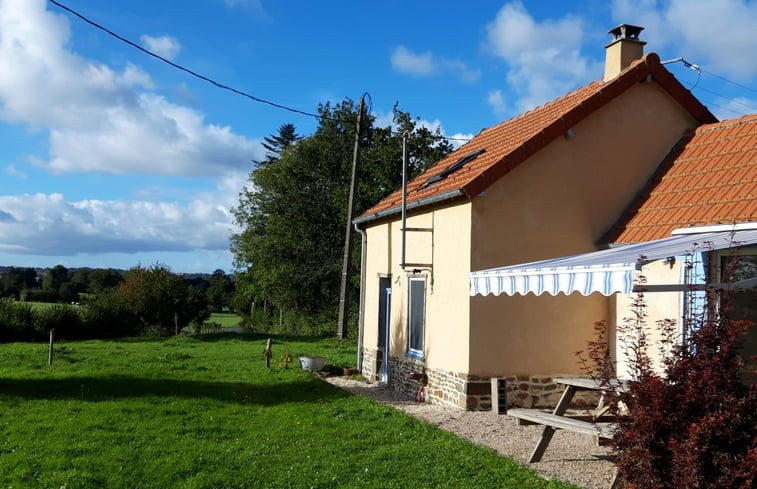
(753, 109)
(182, 68)
(700, 70)
(730, 109)
(210, 80)
(730, 81)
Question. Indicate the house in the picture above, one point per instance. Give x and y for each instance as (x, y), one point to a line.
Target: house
(555, 181)
(707, 185)
(674, 237)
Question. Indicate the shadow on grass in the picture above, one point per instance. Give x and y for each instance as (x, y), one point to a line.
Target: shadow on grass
(95, 389)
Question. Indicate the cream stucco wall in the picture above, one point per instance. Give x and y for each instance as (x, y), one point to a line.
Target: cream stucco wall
(657, 307)
(561, 202)
(447, 249)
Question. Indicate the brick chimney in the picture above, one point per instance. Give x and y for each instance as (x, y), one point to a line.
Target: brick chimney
(624, 48)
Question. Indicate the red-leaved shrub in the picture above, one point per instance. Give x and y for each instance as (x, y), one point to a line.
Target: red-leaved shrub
(693, 424)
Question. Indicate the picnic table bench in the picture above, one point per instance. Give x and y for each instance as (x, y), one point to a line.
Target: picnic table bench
(557, 418)
(534, 416)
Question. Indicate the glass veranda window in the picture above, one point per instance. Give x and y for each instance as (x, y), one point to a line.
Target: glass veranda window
(743, 302)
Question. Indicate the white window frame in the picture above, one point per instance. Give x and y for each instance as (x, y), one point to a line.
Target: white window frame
(412, 350)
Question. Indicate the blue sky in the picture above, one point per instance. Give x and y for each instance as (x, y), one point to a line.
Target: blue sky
(111, 158)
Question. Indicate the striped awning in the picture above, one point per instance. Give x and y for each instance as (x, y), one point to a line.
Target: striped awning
(605, 271)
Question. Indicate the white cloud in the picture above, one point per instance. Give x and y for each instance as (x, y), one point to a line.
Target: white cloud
(255, 6)
(544, 58)
(457, 139)
(425, 64)
(47, 224)
(152, 136)
(100, 119)
(407, 62)
(15, 172)
(165, 46)
(496, 100)
(461, 69)
(104, 120)
(731, 108)
(6, 216)
(718, 36)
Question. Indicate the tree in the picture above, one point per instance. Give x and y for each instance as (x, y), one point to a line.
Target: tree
(79, 281)
(54, 279)
(160, 299)
(101, 280)
(292, 214)
(277, 143)
(220, 291)
(15, 280)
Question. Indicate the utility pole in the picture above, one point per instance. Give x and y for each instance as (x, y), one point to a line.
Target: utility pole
(341, 331)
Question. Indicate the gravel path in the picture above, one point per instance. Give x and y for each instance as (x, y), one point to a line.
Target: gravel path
(570, 457)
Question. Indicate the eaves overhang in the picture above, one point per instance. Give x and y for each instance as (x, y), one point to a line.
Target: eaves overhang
(499, 163)
(410, 205)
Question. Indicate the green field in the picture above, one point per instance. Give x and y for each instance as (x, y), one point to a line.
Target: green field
(38, 306)
(225, 319)
(204, 412)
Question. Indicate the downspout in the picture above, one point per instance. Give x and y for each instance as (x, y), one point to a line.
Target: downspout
(686, 297)
(360, 317)
(404, 194)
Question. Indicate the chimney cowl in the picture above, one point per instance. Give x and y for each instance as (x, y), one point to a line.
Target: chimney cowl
(624, 48)
(625, 32)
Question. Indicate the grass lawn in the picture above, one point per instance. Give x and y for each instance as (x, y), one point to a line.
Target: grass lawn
(225, 319)
(38, 306)
(204, 412)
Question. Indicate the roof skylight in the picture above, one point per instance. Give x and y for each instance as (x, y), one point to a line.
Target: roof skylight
(453, 167)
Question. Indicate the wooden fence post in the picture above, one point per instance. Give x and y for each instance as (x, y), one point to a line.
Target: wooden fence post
(50, 348)
(268, 353)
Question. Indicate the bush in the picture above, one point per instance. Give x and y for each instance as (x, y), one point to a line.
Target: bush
(40, 295)
(294, 323)
(160, 300)
(694, 425)
(16, 321)
(106, 316)
(66, 321)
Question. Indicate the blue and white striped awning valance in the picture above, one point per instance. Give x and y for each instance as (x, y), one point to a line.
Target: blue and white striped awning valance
(604, 278)
(605, 271)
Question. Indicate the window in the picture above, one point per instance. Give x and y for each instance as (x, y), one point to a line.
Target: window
(735, 266)
(416, 315)
(453, 167)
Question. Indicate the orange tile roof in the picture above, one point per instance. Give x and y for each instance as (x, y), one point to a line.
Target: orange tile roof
(511, 142)
(710, 178)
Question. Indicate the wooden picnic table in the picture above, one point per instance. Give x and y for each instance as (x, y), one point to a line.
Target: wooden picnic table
(557, 419)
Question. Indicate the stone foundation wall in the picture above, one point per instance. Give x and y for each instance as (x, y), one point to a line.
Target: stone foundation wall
(471, 392)
(370, 365)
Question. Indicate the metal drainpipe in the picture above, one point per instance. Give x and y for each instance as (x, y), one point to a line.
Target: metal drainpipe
(360, 317)
(404, 193)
